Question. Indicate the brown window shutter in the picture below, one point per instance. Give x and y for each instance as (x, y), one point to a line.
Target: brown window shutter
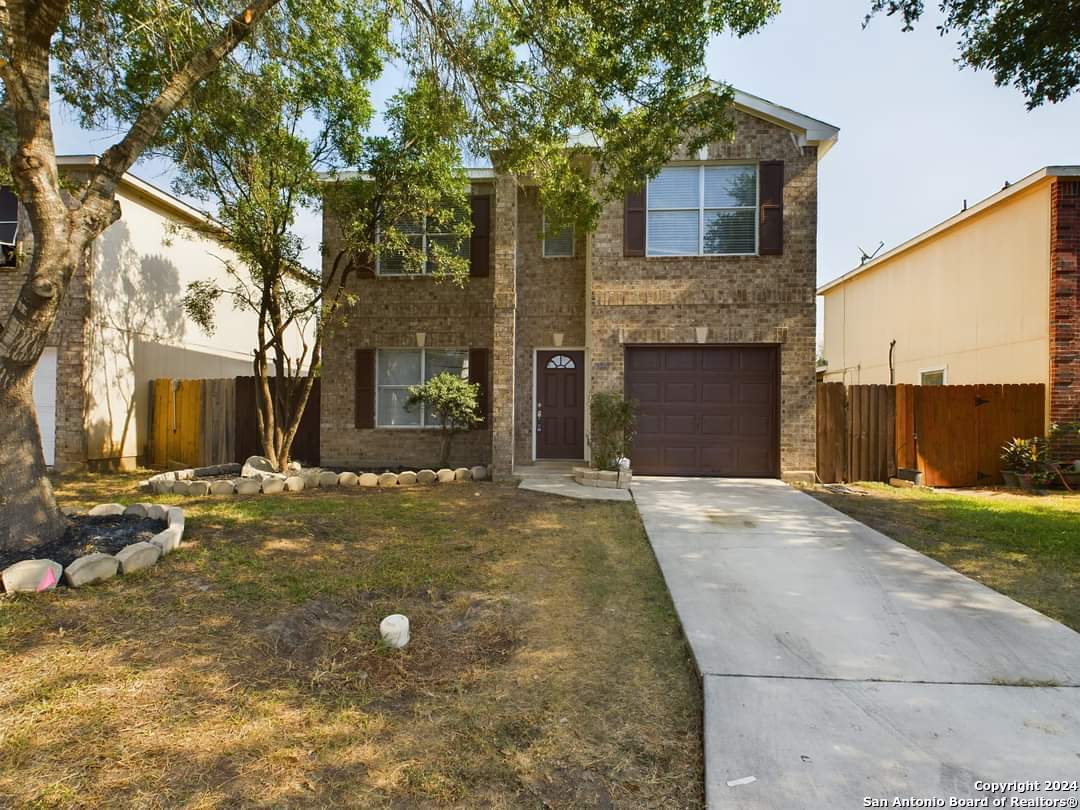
(365, 388)
(480, 243)
(634, 223)
(478, 375)
(771, 213)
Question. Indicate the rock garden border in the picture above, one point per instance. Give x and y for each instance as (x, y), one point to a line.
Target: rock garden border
(187, 482)
(37, 575)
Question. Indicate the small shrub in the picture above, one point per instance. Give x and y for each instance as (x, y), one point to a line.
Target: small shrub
(451, 400)
(613, 427)
(1023, 455)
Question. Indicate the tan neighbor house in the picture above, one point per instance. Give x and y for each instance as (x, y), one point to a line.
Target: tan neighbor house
(694, 296)
(122, 323)
(990, 295)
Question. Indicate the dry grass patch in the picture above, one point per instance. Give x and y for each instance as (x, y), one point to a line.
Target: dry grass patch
(546, 668)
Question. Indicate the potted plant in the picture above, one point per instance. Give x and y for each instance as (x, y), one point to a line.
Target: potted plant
(1021, 459)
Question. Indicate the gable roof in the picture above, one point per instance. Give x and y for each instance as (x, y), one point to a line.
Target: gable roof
(1036, 177)
(808, 131)
(135, 184)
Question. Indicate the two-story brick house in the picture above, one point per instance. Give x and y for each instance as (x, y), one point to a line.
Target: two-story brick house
(694, 296)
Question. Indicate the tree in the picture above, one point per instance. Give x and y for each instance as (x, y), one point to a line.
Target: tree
(453, 401)
(245, 145)
(129, 62)
(584, 98)
(1033, 44)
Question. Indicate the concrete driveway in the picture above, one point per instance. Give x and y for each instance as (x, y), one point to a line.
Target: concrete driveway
(841, 666)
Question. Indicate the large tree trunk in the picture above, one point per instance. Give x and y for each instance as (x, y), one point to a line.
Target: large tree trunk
(28, 511)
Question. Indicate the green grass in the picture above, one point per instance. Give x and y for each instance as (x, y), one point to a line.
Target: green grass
(1025, 546)
(546, 669)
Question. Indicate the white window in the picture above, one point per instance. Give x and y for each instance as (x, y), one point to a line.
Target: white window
(398, 369)
(702, 210)
(932, 376)
(560, 245)
(422, 238)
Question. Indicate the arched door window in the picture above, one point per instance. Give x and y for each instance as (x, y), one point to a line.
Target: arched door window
(561, 361)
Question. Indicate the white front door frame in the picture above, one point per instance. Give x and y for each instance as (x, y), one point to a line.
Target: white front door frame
(532, 414)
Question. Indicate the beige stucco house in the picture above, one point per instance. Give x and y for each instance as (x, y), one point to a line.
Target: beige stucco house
(990, 295)
(122, 324)
(694, 296)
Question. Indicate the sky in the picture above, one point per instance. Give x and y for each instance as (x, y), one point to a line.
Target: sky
(918, 135)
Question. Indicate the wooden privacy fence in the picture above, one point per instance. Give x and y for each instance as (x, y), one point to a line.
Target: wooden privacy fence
(200, 423)
(952, 434)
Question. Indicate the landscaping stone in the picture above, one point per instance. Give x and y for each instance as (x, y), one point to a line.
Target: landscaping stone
(162, 486)
(607, 475)
(31, 576)
(248, 486)
(258, 467)
(198, 488)
(310, 477)
(347, 479)
(445, 476)
(479, 473)
(271, 486)
(368, 480)
(106, 510)
(137, 556)
(169, 540)
(294, 483)
(180, 488)
(395, 630)
(294, 466)
(157, 511)
(222, 488)
(626, 477)
(175, 517)
(427, 477)
(388, 479)
(137, 510)
(328, 479)
(216, 470)
(406, 479)
(92, 568)
(463, 474)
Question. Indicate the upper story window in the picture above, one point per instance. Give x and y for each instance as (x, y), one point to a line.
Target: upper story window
(421, 236)
(703, 210)
(934, 376)
(560, 245)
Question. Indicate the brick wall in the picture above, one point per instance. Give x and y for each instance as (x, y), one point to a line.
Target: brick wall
(743, 299)
(1065, 309)
(388, 313)
(70, 336)
(551, 298)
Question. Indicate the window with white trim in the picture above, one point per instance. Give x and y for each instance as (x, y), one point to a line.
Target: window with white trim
(702, 210)
(934, 376)
(396, 370)
(559, 245)
(421, 236)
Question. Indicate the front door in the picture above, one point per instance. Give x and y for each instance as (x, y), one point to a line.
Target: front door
(560, 404)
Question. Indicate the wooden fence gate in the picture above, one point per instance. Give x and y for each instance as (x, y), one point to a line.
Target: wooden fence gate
(200, 423)
(951, 433)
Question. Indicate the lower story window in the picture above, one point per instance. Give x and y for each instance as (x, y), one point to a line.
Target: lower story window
(399, 369)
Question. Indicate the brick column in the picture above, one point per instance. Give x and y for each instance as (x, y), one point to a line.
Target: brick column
(1065, 310)
(504, 275)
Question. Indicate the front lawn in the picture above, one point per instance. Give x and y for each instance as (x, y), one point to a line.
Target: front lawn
(546, 667)
(1025, 546)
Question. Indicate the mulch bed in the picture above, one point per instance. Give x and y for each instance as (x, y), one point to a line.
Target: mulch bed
(85, 535)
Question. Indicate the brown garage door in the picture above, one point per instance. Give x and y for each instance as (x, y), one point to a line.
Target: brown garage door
(705, 410)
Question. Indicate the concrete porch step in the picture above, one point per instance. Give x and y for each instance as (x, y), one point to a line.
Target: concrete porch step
(547, 469)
